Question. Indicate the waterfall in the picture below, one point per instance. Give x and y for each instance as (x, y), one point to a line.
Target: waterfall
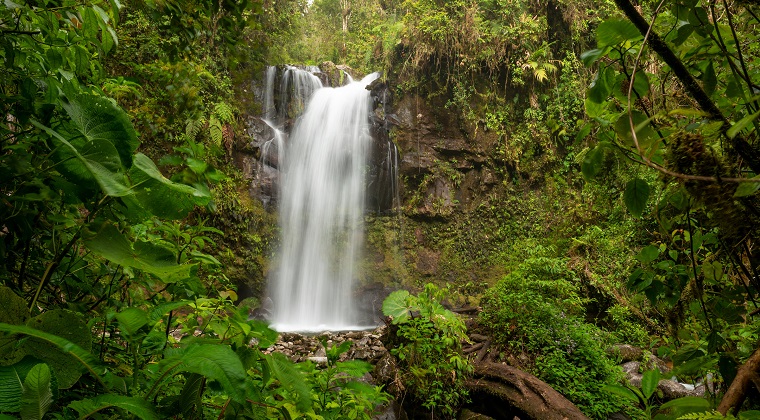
(322, 200)
(296, 86)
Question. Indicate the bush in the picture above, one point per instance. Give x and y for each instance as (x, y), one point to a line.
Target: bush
(537, 310)
(428, 345)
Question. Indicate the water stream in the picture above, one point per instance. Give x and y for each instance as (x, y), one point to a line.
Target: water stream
(322, 204)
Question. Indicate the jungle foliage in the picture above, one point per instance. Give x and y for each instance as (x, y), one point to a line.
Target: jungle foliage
(112, 302)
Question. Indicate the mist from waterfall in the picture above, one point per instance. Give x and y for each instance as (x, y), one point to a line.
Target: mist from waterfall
(322, 204)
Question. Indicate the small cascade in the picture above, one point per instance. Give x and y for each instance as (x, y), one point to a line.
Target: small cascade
(296, 87)
(322, 205)
(272, 150)
(270, 112)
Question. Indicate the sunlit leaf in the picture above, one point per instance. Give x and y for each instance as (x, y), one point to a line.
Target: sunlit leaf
(616, 31)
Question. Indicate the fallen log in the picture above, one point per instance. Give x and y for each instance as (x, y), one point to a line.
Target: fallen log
(502, 392)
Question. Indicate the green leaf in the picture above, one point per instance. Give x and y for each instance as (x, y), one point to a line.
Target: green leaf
(645, 134)
(640, 84)
(12, 383)
(741, 124)
(749, 415)
(354, 368)
(592, 163)
(66, 325)
(37, 395)
(602, 86)
(215, 131)
(14, 312)
(648, 254)
(685, 405)
(161, 196)
(190, 396)
(616, 31)
(134, 405)
(131, 320)
(214, 361)
(709, 79)
(747, 188)
(591, 56)
(397, 306)
(110, 244)
(649, 382)
(636, 195)
(82, 356)
(99, 118)
(285, 371)
(621, 391)
(100, 160)
(159, 311)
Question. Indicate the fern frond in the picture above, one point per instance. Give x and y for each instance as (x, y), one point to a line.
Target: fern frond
(223, 112)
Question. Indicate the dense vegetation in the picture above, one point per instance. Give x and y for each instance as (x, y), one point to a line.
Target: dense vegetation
(624, 208)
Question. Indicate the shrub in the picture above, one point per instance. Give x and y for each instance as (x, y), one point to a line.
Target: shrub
(536, 309)
(428, 345)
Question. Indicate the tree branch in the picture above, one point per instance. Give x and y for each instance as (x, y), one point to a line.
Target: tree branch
(740, 145)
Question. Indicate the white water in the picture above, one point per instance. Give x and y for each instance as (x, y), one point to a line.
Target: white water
(296, 86)
(322, 197)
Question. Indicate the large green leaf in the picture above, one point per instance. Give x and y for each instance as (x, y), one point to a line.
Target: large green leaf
(649, 382)
(99, 118)
(12, 383)
(37, 395)
(398, 306)
(621, 391)
(14, 312)
(214, 361)
(107, 242)
(161, 196)
(134, 405)
(98, 160)
(592, 163)
(616, 31)
(747, 188)
(81, 356)
(66, 325)
(636, 195)
(131, 320)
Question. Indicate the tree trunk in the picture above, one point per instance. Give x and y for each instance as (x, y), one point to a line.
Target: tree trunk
(745, 378)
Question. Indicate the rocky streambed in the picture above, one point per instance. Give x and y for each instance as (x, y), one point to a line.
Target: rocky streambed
(497, 389)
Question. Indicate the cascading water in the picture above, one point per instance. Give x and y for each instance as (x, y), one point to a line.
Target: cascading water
(322, 195)
(296, 86)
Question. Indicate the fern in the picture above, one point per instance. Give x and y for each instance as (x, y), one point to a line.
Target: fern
(709, 415)
(215, 131)
(224, 112)
(194, 127)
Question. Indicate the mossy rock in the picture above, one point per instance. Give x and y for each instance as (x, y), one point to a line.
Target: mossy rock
(15, 313)
(65, 324)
